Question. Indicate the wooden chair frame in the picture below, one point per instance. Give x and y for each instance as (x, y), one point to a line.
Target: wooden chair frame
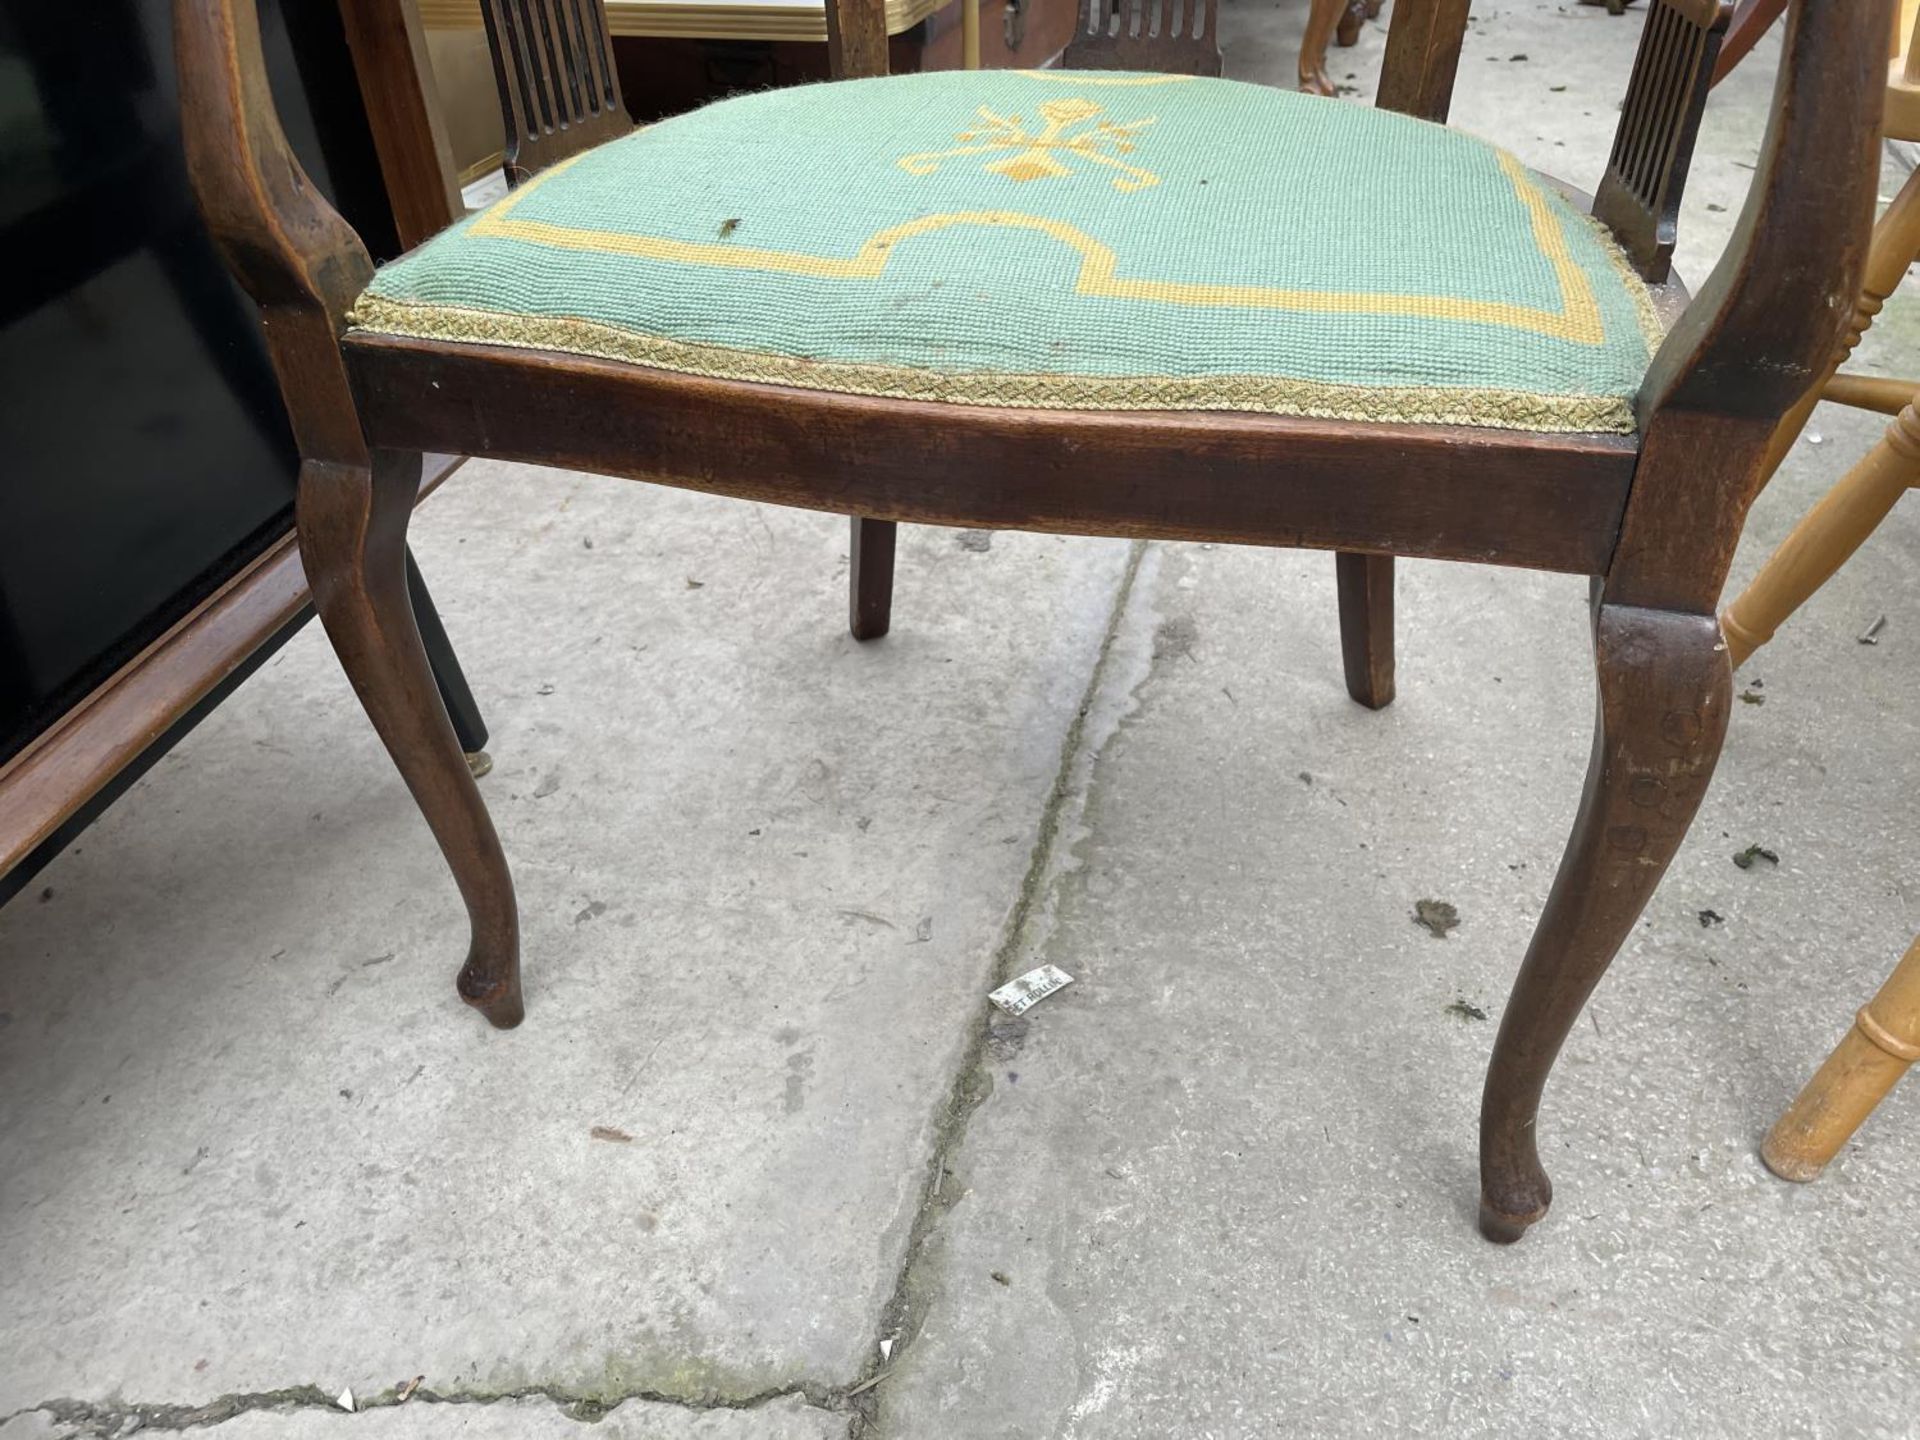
(1653, 518)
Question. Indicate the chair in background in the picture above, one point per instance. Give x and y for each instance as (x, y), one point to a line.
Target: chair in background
(1165, 37)
(1073, 304)
(1855, 506)
(1884, 1039)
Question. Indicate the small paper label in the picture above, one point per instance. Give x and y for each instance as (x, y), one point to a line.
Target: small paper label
(1024, 991)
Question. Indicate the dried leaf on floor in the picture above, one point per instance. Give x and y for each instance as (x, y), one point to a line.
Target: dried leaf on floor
(1437, 916)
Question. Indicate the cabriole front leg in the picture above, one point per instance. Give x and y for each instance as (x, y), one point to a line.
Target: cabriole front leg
(1664, 687)
(352, 524)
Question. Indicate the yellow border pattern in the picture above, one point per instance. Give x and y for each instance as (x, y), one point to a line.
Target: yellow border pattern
(1259, 394)
(1578, 320)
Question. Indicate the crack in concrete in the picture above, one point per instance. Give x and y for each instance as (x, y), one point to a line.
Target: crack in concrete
(102, 1421)
(902, 1313)
(904, 1310)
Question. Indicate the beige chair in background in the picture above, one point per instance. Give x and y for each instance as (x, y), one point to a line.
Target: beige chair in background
(1885, 1037)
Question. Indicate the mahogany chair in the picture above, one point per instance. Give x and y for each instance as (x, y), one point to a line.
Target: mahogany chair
(1642, 486)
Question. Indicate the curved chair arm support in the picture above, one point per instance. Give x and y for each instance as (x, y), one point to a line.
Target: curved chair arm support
(289, 249)
(1763, 327)
(1765, 322)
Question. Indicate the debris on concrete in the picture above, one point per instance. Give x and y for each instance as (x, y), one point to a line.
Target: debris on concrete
(978, 541)
(404, 1392)
(608, 1132)
(1466, 1010)
(1745, 858)
(1871, 635)
(1022, 992)
(345, 1400)
(999, 1277)
(1711, 918)
(1437, 915)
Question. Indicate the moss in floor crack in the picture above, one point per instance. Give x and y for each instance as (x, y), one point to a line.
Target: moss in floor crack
(88, 1418)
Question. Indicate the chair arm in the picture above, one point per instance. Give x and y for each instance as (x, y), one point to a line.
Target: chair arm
(289, 249)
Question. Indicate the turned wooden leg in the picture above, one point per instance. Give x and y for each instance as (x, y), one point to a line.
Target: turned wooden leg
(1896, 240)
(1664, 687)
(352, 525)
(1864, 1066)
(1830, 532)
(1322, 17)
(1347, 32)
(870, 582)
(1366, 626)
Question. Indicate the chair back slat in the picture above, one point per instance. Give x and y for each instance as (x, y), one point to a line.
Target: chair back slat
(559, 91)
(1172, 37)
(1639, 196)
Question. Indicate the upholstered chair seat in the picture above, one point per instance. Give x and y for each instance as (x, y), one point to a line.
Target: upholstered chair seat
(1061, 240)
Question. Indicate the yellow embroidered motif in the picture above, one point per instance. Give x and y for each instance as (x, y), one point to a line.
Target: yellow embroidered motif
(1037, 156)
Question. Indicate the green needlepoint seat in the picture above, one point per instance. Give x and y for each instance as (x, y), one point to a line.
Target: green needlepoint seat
(1058, 239)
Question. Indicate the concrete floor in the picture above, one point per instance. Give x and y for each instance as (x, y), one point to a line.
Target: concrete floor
(255, 1152)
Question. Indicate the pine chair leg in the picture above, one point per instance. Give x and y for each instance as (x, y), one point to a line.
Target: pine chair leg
(1864, 1066)
(1829, 533)
(352, 526)
(1322, 17)
(1664, 686)
(1896, 241)
(1365, 584)
(870, 581)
